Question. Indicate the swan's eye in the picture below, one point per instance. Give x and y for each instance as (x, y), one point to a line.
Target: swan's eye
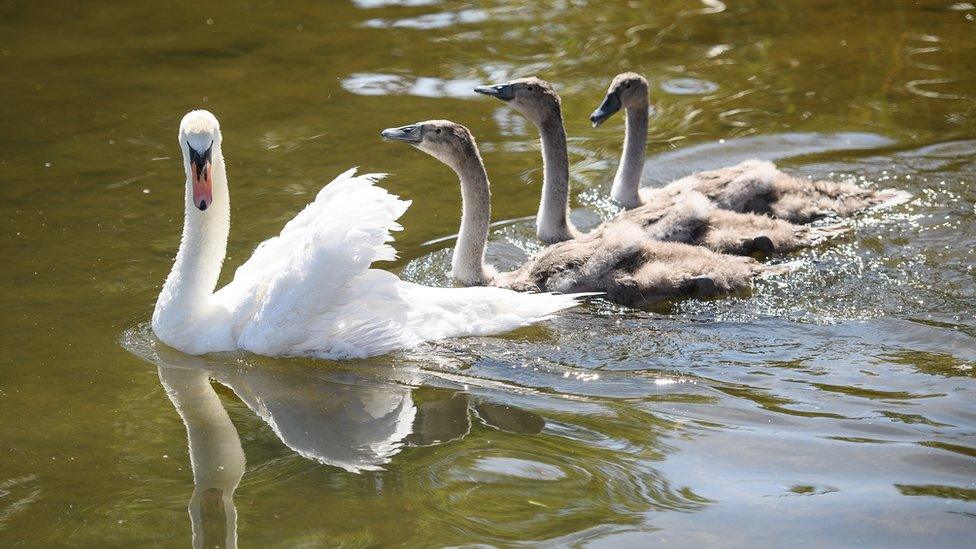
(530, 88)
(627, 85)
(438, 130)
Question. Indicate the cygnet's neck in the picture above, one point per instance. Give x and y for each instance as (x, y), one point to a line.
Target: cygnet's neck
(627, 181)
(552, 221)
(468, 262)
(187, 292)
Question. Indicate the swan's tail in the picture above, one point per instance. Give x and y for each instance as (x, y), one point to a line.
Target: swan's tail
(440, 313)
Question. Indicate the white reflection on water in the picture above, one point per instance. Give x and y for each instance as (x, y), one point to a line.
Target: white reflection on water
(431, 20)
(369, 4)
(688, 86)
(420, 86)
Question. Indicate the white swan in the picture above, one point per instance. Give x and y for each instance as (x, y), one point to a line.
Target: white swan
(309, 291)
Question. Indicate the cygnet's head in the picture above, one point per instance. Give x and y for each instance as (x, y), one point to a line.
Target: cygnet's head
(199, 137)
(447, 141)
(627, 90)
(534, 98)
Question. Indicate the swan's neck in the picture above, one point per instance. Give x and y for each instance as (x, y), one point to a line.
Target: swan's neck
(468, 262)
(187, 292)
(627, 180)
(552, 222)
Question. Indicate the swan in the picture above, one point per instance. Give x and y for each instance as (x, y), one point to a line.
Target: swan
(616, 258)
(310, 291)
(753, 186)
(689, 218)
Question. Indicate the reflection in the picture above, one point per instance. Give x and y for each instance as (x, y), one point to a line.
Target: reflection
(918, 87)
(370, 4)
(937, 491)
(216, 456)
(420, 86)
(691, 86)
(671, 165)
(350, 424)
(431, 20)
(354, 420)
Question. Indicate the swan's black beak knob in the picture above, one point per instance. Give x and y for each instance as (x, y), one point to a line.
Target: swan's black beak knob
(505, 92)
(610, 105)
(412, 134)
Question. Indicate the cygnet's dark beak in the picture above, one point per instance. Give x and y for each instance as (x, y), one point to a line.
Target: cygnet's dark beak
(410, 134)
(505, 92)
(610, 105)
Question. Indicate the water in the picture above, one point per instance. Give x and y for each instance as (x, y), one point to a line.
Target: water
(834, 405)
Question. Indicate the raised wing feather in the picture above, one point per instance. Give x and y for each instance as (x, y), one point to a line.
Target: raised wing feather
(296, 280)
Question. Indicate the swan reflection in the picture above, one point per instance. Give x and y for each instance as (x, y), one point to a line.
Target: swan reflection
(216, 456)
(354, 420)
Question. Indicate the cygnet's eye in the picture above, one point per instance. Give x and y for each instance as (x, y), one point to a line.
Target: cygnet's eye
(438, 130)
(627, 85)
(531, 88)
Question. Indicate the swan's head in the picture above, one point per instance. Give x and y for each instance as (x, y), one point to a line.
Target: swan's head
(534, 98)
(627, 90)
(447, 141)
(199, 138)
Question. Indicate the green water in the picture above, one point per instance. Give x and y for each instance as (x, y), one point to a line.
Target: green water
(832, 406)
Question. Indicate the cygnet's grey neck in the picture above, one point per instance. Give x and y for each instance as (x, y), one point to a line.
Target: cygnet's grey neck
(468, 262)
(627, 180)
(552, 221)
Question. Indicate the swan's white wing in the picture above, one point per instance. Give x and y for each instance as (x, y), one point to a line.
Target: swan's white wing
(287, 298)
(310, 291)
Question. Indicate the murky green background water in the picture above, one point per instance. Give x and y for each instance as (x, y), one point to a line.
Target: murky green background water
(833, 406)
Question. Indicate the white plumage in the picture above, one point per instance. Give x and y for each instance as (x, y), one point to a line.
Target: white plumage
(310, 290)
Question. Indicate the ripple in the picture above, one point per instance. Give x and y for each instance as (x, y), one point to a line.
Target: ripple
(809, 490)
(671, 165)
(370, 4)
(420, 86)
(688, 86)
(431, 20)
(937, 491)
(915, 87)
(17, 495)
(495, 467)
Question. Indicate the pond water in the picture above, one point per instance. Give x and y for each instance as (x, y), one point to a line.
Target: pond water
(834, 405)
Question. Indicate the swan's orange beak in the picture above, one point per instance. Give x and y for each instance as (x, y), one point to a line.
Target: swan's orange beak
(202, 185)
(201, 174)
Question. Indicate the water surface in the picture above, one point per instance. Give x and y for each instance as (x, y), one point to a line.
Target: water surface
(835, 405)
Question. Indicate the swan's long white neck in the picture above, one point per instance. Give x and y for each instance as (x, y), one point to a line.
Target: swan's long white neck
(627, 181)
(186, 295)
(552, 221)
(468, 262)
